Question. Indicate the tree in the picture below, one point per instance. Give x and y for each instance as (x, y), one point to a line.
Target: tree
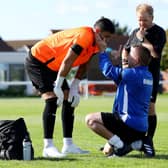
(164, 60)
(121, 30)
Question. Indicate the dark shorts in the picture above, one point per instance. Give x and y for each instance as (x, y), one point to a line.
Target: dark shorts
(114, 124)
(41, 76)
(154, 68)
(155, 88)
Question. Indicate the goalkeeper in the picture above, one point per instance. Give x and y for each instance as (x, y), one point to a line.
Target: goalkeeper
(126, 126)
(50, 61)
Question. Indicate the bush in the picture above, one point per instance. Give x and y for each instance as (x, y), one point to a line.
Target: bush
(13, 91)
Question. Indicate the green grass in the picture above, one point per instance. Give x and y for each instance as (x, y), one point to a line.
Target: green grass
(31, 110)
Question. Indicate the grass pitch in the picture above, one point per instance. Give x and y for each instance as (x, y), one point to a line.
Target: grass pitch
(31, 110)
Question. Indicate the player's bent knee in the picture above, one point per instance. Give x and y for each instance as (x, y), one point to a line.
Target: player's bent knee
(48, 95)
(88, 120)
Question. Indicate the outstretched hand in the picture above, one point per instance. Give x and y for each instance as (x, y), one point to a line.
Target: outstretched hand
(107, 149)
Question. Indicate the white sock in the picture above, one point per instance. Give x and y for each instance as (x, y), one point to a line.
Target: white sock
(136, 145)
(48, 142)
(116, 141)
(67, 141)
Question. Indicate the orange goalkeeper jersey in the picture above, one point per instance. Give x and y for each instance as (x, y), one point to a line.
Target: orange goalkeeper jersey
(52, 50)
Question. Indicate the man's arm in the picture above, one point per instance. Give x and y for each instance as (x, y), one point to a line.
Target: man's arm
(67, 63)
(150, 47)
(81, 71)
(105, 63)
(62, 73)
(141, 36)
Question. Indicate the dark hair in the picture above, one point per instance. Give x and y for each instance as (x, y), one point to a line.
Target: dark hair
(105, 24)
(144, 55)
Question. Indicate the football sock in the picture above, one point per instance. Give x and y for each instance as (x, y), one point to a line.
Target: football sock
(49, 117)
(67, 141)
(48, 142)
(116, 141)
(67, 119)
(136, 145)
(152, 120)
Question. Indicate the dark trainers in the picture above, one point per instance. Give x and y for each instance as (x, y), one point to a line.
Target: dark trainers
(123, 151)
(147, 147)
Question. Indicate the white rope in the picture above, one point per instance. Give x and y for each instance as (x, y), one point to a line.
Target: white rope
(84, 84)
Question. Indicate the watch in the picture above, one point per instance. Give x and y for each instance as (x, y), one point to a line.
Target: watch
(141, 39)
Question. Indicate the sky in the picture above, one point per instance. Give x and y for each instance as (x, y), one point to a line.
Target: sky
(33, 19)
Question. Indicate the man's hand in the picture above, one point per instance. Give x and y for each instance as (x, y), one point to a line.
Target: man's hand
(124, 56)
(107, 149)
(141, 34)
(60, 95)
(74, 96)
(100, 42)
(58, 91)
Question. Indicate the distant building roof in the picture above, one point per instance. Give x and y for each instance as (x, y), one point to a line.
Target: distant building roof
(4, 46)
(55, 30)
(29, 43)
(20, 43)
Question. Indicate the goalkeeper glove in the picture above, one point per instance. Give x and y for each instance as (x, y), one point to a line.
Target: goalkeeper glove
(58, 91)
(74, 96)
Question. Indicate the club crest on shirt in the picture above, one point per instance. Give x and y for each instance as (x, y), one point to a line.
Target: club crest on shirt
(148, 82)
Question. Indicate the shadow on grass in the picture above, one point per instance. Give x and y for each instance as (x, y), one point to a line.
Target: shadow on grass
(68, 158)
(56, 159)
(142, 156)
